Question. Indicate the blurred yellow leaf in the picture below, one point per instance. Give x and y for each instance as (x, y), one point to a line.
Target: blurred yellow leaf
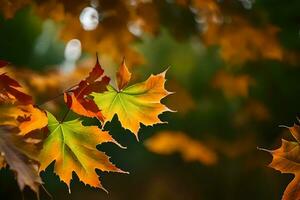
(241, 42)
(169, 142)
(232, 85)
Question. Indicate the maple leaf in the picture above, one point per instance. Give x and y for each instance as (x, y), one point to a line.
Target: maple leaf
(139, 103)
(73, 148)
(26, 117)
(79, 102)
(14, 152)
(286, 160)
(168, 142)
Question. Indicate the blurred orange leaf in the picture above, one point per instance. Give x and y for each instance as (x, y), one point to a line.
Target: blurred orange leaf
(241, 42)
(232, 85)
(169, 142)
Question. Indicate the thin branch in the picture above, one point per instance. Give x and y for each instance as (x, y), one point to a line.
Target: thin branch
(65, 115)
(55, 97)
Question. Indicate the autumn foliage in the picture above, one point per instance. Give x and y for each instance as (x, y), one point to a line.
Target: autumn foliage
(233, 69)
(70, 144)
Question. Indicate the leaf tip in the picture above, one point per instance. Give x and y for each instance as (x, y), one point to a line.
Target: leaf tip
(97, 57)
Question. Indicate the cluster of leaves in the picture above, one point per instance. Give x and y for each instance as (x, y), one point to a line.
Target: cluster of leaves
(147, 17)
(244, 41)
(31, 138)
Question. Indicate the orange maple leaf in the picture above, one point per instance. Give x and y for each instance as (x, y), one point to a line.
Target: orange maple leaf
(286, 159)
(79, 102)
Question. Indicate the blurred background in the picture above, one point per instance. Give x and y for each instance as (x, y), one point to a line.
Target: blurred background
(235, 68)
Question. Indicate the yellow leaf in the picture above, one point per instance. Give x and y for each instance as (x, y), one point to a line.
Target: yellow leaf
(136, 104)
(73, 148)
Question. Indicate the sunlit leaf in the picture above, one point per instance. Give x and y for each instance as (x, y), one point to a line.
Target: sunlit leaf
(136, 104)
(73, 148)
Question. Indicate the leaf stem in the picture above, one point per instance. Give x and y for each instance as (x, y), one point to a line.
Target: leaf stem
(65, 115)
(55, 97)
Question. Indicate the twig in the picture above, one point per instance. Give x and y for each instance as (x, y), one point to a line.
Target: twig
(65, 115)
(55, 97)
